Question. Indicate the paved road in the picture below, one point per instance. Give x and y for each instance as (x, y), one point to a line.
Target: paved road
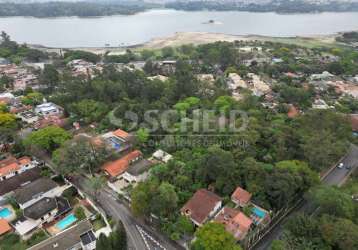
(112, 206)
(335, 177)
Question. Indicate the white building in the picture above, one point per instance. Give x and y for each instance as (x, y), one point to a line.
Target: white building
(48, 108)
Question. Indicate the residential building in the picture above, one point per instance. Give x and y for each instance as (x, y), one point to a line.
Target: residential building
(320, 104)
(119, 166)
(118, 140)
(202, 206)
(8, 186)
(79, 236)
(41, 212)
(48, 109)
(241, 197)
(354, 123)
(235, 222)
(28, 116)
(4, 227)
(137, 171)
(11, 166)
(162, 156)
(33, 192)
(321, 77)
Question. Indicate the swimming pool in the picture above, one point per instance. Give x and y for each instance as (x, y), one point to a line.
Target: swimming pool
(258, 212)
(5, 212)
(66, 222)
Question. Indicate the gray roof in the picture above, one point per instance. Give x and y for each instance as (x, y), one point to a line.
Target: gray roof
(139, 167)
(65, 240)
(17, 181)
(27, 193)
(40, 208)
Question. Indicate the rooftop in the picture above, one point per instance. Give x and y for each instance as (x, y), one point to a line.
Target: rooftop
(17, 181)
(39, 186)
(200, 205)
(40, 208)
(139, 167)
(4, 226)
(241, 195)
(66, 239)
(119, 166)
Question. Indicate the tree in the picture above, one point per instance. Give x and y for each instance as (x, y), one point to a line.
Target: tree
(117, 240)
(333, 201)
(213, 236)
(49, 138)
(80, 213)
(7, 120)
(142, 135)
(165, 201)
(90, 110)
(141, 198)
(49, 76)
(33, 98)
(95, 184)
(81, 155)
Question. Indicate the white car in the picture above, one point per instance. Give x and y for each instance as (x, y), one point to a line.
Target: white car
(340, 165)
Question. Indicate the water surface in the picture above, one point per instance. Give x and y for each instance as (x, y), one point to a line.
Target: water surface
(141, 27)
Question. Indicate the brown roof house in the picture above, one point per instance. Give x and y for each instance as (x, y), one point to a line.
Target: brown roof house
(241, 197)
(235, 222)
(202, 206)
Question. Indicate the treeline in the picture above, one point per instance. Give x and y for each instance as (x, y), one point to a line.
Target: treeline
(81, 9)
(274, 6)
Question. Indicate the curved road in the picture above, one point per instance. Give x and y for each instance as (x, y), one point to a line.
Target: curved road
(336, 177)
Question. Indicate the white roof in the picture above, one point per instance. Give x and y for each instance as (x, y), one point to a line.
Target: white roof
(7, 95)
(23, 227)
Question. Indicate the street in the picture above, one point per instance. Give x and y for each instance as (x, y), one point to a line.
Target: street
(336, 177)
(112, 206)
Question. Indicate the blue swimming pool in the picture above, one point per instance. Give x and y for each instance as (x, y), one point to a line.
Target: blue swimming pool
(4, 213)
(66, 222)
(258, 212)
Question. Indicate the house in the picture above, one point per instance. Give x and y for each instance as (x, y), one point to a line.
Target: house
(118, 140)
(320, 104)
(202, 206)
(292, 111)
(6, 98)
(33, 192)
(321, 77)
(137, 171)
(52, 120)
(241, 197)
(119, 166)
(79, 236)
(8, 186)
(43, 211)
(48, 108)
(235, 222)
(257, 86)
(28, 116)
(162, 156)
(4, 227)
(11, 166)
(235, 81)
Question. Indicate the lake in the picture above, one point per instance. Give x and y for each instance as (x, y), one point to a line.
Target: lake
(142, 27)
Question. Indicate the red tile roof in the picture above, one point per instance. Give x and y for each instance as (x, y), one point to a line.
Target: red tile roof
(117, 167)
(235, 222)
(292, 112)
(354, 122)
(200, 205)
(12, 164)
(121, 133)
(241, 195)
(4, 226)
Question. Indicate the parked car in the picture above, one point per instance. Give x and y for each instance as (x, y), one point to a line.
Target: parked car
(340, 165)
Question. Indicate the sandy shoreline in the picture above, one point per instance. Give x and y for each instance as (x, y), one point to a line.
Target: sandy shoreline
(197, 38)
